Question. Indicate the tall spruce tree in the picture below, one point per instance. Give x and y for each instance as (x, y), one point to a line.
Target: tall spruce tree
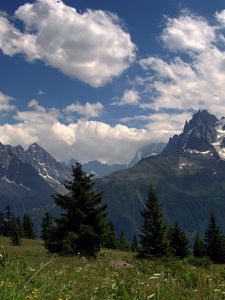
(46, 226)
(214, 241)
(178, 242)
(82, 223)
(28, 231)
(134, 244)
(199, 247)
(122, 243)
(152, 236)
(15, 233)
(7, 221)
(109, 237)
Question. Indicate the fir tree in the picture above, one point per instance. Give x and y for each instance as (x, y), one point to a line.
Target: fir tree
(109, 237)
(214, 241)
(80, 228)
(28, 227)
(134, 244)
(46, 226)
(152, 236)
(7, 221)
(198, 247)
(122, 242)
(15, 233)
(178, 242)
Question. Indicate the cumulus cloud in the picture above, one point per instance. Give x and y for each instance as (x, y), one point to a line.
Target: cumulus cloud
(88, 110)
(194, 78)
(83, 140)
(188, 33)
(91, 46)
(130, 97)
(5, 103)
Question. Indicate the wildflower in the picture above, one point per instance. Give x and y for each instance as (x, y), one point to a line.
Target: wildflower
(150, 296)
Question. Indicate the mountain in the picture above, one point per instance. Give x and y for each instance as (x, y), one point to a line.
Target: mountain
(20, 184)
(149, 150)
(189, 176)
(97, 168)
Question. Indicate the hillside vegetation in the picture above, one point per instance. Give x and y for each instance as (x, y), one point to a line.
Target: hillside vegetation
(29, 272)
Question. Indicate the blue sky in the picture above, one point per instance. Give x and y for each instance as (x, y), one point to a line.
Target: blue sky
(99, 79)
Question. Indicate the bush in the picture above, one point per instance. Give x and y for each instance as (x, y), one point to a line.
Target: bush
(199, 261)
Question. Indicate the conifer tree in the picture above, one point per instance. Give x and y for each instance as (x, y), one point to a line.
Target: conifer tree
(178, 242)
(28, 231)
(214, 241)
(152, 236)
(109, 237)
(134, 244)
(122, 242)
(46, 226)
(82, 223)
(198, 247)
(15, 233)
(7, 221)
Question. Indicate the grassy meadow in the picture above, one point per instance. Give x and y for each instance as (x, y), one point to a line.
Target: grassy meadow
(28, 272)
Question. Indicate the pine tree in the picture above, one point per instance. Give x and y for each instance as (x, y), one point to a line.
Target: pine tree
(46, 226)
(178, 242)
(214, 241)
(134, 244)
(109, 238)
(81, 225)
(20, 226)
(152, 236)
(7, 221)
(122, 242)
(198, 247)
(15, 233)
(28, 227)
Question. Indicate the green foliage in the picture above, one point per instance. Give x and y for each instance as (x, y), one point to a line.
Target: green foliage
(199, 247)
(6, 219)
(46, 226)
(15, 233)
(30, 273)
(80, 228)
(214, 241)
(122, 243)
(199, 261)
(152, 236)
(134, 244)
(178, 242)
(28, 231)
(109, 237)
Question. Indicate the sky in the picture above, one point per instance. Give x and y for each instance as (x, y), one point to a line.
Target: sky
(97, 80)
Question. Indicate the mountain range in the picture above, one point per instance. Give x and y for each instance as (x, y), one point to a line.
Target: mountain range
(188, 175)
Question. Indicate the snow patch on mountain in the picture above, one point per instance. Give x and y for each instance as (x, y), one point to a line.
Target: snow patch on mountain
(13, 182)
(219, 144)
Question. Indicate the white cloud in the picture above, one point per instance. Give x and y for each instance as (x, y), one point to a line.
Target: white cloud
(195, 81)
(188, 33)
(91, 46)
(88, 110)
(130, 97)
(5, 103)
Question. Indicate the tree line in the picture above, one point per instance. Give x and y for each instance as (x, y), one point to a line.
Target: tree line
(82, 229)
(15, 227)
(157, 239)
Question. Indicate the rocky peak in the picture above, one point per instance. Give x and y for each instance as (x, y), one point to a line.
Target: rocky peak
(198, 134)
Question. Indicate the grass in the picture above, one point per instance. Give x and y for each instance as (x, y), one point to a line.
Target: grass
(29, 272)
